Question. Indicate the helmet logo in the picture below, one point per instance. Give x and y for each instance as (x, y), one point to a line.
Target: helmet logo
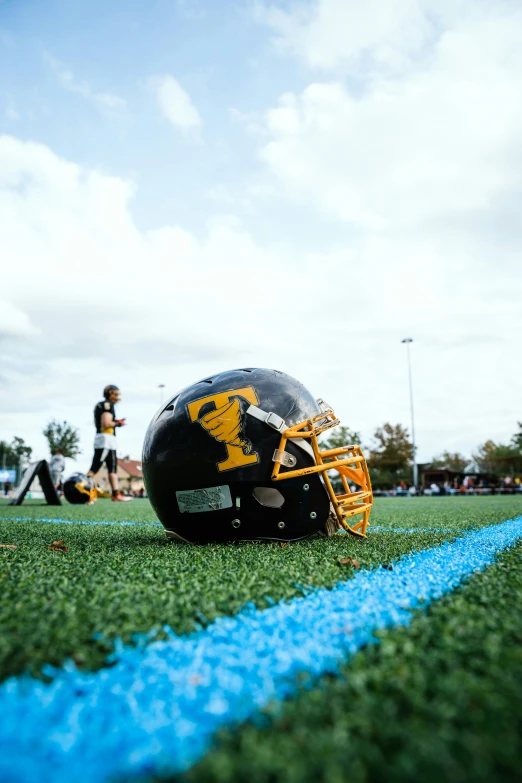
(226, 424)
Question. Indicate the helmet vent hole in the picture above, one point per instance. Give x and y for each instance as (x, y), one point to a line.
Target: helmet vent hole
(269, 497)
(246, 370)
(169, 407)
(207, 380)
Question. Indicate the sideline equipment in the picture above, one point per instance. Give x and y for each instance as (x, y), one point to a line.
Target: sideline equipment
(236, 457)
(79, 489)
(40, 469)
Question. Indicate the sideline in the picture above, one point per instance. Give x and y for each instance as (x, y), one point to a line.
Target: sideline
(157, 709)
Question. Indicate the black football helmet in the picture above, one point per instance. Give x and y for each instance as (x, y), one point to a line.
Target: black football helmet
(236, 457)
(79, 488)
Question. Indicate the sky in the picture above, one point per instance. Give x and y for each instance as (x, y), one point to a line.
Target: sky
(191, 186)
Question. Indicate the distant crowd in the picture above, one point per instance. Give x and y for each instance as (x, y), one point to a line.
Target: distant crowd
(469, 486)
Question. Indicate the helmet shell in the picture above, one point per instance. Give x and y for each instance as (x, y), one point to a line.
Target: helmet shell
(186, 453)
(77, 488)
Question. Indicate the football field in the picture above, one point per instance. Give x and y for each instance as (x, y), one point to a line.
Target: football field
(127, 657)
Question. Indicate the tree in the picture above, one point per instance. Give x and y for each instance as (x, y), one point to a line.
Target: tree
(63, 437)
(392, 450)
(498, 459)
(390, 456)
(15, 452)
(451, 460)
(341, 436)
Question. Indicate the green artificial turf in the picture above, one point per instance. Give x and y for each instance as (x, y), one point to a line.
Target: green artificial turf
(119, 581)
(438, 701)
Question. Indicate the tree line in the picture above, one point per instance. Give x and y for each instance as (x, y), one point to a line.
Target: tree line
(61, 436)
(390, 455)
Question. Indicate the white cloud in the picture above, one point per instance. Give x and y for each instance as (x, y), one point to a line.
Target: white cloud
(175, 102)
(423, 164)
(369, 37)
(110, 301)
(105, 100)
(326, 33)
(14, 322)
(114, 304)
(440, 143)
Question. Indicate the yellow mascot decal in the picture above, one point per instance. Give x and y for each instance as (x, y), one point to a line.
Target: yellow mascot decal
(225, 423)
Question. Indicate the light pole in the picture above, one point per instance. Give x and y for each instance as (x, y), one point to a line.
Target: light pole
(409, 340)
(161, 386)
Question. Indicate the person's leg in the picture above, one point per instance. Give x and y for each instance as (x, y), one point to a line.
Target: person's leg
(112, 468)
(99, 458)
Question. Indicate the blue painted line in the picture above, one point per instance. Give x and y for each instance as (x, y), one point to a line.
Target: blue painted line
(384, 529)
(61, 521)
(157, 709)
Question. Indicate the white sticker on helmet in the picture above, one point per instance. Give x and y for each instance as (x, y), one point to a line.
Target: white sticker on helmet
(194, 501)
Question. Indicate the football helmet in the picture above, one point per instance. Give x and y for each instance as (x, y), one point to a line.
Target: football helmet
(112, 394)
(236, 457)
(79, 488)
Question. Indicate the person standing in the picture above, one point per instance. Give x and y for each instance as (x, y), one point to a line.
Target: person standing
(57, 467)
(106, 425)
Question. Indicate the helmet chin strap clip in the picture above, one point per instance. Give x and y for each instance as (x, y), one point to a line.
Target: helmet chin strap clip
(270, 418)
(279, 424)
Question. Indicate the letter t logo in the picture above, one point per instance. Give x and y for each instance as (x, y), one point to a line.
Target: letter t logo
(225, 424)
